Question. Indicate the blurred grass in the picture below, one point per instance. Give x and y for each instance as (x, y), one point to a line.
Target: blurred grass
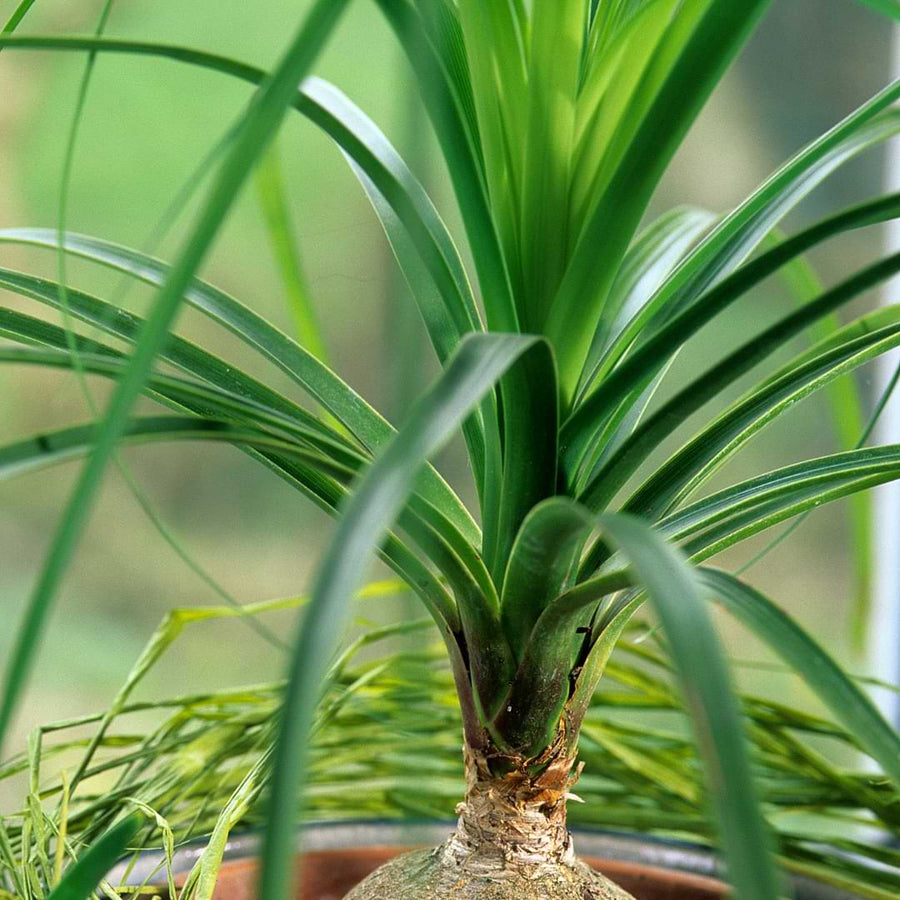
(146, 125)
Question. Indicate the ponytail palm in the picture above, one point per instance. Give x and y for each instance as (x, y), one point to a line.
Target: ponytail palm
(556, 121)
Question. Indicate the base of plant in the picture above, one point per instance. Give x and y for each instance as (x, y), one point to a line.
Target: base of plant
(430, 875)
(510, 843)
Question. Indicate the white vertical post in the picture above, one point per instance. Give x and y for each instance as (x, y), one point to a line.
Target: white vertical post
(884, 626)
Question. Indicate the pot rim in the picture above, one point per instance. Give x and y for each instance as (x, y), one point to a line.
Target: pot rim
(331, 834)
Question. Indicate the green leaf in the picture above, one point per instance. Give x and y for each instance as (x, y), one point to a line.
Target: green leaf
(184, 395)
(530, 427)
(620, 78)
(646, 266)
(18, 14)
(455, 142)
(371, 509)
(447, 111)
(542, 556)
(744, 229)
(699, 45)
(846, 404)
(635, 450)
(706, 686)
(495, 46)
(889, 8)
(179, 352)
(554, 63)
(437, 537)
(421, 242)
(744, 509)
(371, 429)
(258, 127)
(639, 368)
(529, 716)
(846, 702)
(81, 880)
(440, 23)
(272, 197)
(370, 151)
(738, 234)
(693, 464)
(266, 408)
(72, 443)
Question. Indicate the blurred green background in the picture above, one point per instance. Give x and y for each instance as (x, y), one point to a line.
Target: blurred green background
(147, 124)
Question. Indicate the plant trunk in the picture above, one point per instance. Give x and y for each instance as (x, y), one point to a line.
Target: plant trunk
(510, 843)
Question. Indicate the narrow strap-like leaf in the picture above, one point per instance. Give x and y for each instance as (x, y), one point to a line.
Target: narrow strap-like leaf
(463, 164)
(739, 233)
(81, 880)
(674, 590)
(638, 369)
(530, 429)
(495, 46)
(480, 361)
(655, 253)
(283, 241)
(846, 702)
(363, 142)
(554, 64)
(687, 469)
(258, 126)
(437, 537)
(636, 449)
(179, 352)
(18, 14)
(744, 509)
(709, 34)
(539, 564)
(371, 429)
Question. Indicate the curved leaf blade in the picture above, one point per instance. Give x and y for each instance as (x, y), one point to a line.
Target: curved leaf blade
(699, 46)
(673, 588)
(348, 407)
(258, 127)
(480, 361)
(697, 460)
(638, 369)
(635, 450)
(845, 700)
(544, 551)
(81, 880)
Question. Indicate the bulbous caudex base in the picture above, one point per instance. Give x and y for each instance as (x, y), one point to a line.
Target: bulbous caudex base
(427, 875)
(511, 841)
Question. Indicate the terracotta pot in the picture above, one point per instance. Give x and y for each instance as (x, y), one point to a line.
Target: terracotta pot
(338, 855)
(329, 875)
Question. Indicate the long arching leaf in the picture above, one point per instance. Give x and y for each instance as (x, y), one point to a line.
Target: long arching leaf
(258, 127)
(179, 352)
(480, 361)
(697, 48)
(81, 880)
(635, 450)
(348, 407)
(655, 253)
(638, 369)
(673, 588)
(325, 492)
(738, 234)
(464, 163)
(687, 469)
(540, 561)
(846, 702)
(744, 509)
